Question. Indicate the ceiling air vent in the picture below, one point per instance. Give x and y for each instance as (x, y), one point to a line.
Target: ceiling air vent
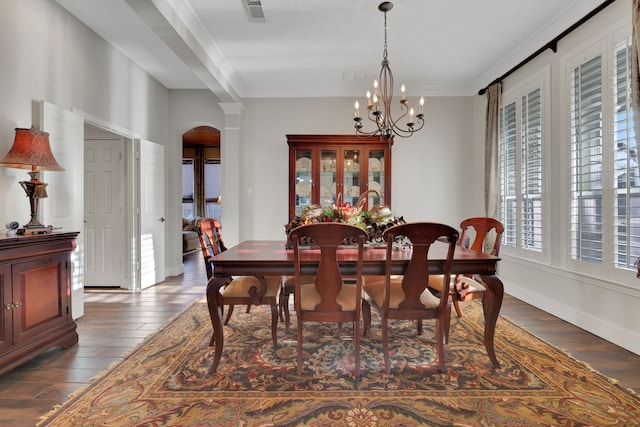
(254, 10)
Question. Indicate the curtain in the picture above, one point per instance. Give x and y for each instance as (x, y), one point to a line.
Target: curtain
(491, 169)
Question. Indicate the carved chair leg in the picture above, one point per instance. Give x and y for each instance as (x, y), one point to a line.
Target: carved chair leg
(440, 345)
(366, 317)
(385, 346)
(356, 339)
(229, 313)
(274, 325)
(447, 325)
(299, 346)
(456, 304)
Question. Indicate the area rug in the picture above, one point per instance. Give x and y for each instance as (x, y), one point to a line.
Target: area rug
(166, 381)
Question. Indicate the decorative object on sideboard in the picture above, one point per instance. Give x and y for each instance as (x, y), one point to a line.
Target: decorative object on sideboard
(386, 125)
(374, 221)
(31, 150)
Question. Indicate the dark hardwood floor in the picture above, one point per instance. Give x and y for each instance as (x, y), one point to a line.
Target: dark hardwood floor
(115, 321)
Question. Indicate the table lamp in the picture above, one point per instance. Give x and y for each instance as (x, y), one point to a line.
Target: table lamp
(31, 150)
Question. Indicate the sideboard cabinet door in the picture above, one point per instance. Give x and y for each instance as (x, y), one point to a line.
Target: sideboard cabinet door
(338, 169)
(6, 333)
(39, 285)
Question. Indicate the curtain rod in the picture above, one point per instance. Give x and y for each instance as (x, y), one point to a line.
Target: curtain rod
(553, 44)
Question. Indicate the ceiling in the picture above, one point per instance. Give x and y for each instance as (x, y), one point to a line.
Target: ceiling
(319, 48)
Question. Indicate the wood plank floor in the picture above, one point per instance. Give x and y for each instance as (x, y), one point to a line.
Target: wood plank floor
(115, 321)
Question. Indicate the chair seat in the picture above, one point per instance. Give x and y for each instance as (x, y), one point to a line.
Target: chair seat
(375, 291)
(470, 285)
(310, 298)
(290, 281)
(239, 286)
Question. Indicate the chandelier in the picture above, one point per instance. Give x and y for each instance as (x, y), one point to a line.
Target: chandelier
(379, 105)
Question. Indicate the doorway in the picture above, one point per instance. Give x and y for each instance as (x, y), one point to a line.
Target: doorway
(105, 223)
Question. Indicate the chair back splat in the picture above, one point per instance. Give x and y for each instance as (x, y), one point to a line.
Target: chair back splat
(483, 227)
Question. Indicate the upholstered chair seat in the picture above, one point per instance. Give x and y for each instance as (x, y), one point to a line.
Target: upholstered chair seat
(375, 291)
(241, 286)
(347, 297)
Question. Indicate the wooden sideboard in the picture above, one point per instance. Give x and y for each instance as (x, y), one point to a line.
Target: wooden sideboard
(35, 292)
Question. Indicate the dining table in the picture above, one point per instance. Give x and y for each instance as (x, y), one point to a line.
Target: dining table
(272, 258)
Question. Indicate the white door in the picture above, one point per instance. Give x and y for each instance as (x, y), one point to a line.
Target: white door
(152, 216)
(64, 208)
(104, 213)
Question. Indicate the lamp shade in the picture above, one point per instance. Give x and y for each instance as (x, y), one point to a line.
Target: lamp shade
(31, 150)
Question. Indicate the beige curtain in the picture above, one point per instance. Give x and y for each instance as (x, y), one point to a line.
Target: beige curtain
(491, 170)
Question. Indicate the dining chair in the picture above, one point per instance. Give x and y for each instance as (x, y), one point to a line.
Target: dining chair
(331, 297)
(408, 297)
(468, 287)
(242, 290)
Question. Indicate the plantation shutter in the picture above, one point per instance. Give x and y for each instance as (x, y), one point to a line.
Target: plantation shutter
(508, 173)
(531, 172)
(586, 161)
(627, 191)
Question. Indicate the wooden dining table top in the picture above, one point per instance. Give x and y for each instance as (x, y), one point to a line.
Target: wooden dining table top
(267, 257)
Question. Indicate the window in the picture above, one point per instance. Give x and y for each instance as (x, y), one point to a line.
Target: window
(212, 180)
(188, 189)
(605, 187)
(520, 158)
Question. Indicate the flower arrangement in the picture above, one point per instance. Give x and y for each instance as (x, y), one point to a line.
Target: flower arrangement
(373, 221)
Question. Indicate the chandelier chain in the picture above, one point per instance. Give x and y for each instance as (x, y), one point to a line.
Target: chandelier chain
(384, 54)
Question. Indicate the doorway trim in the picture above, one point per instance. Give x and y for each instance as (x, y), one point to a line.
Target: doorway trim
(132, 264)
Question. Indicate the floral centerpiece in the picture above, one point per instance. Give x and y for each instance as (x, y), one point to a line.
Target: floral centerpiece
(373, 221)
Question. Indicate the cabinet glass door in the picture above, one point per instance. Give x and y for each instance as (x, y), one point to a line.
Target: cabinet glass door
(328, 177)
(304, 180)
(351, 177)
(376, 180)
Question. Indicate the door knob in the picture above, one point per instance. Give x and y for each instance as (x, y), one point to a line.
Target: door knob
(161, 220)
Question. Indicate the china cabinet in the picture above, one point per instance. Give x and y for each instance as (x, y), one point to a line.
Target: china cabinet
(338, 169)
(35, 277)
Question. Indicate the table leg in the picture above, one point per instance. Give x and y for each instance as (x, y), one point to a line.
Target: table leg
(491, 303)
(215, 312)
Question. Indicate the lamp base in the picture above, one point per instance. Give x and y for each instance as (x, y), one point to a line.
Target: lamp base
(31, 231)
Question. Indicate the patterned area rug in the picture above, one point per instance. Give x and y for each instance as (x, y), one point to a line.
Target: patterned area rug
(166, 381)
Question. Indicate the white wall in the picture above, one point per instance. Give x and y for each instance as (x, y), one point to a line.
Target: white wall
(46, 54)
(426, 183)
